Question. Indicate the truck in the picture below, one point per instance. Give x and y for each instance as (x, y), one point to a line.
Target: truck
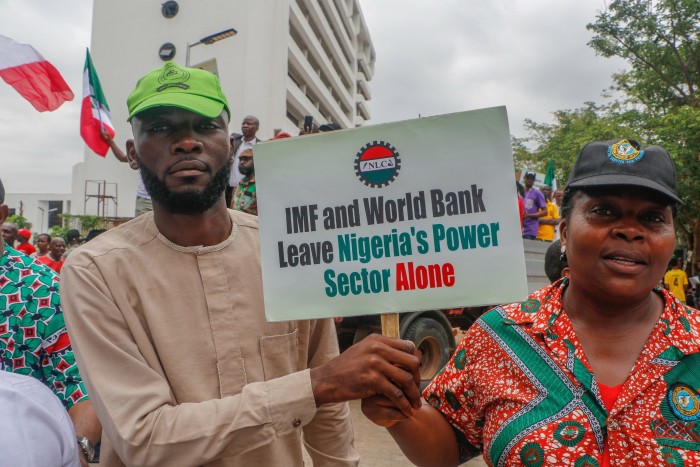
(433, 331)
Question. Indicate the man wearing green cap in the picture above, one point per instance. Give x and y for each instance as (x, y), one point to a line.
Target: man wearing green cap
(166, 314)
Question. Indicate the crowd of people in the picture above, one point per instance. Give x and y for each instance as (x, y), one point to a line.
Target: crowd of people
(240, 193)
(539, 209)
(178, 366)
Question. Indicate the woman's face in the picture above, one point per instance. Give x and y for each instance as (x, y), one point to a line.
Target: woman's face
(618, 241)
(42, 243)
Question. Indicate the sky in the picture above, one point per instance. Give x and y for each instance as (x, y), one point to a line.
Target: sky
(433, 57)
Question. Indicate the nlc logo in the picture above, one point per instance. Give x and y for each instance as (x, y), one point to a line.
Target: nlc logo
(377, 164)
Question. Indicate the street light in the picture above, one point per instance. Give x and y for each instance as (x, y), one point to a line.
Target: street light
(210, 40)
(43, 215)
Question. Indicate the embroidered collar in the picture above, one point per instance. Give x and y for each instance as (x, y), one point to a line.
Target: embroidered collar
(543, 308)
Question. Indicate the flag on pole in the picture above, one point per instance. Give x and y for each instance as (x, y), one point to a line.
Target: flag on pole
(37, 80)
(549, 179)
(94, 115)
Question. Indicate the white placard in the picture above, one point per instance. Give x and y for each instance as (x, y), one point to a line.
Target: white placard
(414, 215)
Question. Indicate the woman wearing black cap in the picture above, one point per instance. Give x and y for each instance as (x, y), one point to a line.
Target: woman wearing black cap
(72, 241)
(600, 368)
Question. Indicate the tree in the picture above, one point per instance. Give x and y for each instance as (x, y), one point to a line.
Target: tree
(20, 221)
(571, 130)
(660, 39)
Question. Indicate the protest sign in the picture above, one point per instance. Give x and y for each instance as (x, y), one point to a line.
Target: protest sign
(414, 215)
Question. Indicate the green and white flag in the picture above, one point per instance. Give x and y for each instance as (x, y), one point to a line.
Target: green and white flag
(549, 179)
(94, 114)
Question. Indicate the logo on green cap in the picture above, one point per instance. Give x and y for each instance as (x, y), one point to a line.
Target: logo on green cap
(173, 76)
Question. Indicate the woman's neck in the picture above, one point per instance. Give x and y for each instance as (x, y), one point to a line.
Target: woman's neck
(610, 315)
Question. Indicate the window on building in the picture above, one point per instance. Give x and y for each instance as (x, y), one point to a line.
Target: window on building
(55, 211)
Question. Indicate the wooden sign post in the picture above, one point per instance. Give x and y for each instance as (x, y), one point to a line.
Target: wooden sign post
(390, 325)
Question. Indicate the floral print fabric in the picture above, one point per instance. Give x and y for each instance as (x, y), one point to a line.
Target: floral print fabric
(520, 390)
(33, 336)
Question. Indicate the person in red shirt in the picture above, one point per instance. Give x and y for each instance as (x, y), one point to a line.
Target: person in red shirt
(23, 236)
(520, 192)
(42, 245)
(54, 259)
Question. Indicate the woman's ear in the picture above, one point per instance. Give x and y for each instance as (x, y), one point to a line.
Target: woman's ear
(563, 231)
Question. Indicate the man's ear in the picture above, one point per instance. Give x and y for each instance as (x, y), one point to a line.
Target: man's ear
(131, 154)
(4, 212)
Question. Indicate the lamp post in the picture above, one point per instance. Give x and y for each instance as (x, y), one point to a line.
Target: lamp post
(44, 215)
(210, 40)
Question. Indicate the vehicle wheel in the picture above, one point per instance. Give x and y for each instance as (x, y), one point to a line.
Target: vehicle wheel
(434, 344)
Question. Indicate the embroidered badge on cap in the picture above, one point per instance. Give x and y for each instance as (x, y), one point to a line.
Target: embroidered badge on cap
(173, 76)
(624, 152)
(684, 402)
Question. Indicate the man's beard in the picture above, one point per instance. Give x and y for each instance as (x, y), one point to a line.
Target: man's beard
(188, 202)
(245, 171)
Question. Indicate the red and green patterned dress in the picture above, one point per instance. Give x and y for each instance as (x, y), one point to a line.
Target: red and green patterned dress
(520, 390)
(33, 336)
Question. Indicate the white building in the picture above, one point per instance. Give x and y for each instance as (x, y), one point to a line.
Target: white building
(42, 210)
(289, 58)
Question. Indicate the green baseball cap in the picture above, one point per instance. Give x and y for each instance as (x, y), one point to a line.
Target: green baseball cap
(188, 88)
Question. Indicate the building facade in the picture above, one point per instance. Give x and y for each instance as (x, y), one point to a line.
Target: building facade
(42, 210)
(289, 59)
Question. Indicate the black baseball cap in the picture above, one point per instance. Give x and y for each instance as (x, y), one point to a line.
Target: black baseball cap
(530, 174)
(624, 162)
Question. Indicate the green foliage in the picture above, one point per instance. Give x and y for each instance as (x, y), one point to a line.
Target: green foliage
(679, 132)
(58, 231)
(20, 221)
(660, 40)
(83, 223)
(562, 140)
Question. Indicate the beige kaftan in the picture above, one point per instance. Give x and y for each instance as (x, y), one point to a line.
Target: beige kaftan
(180, 364)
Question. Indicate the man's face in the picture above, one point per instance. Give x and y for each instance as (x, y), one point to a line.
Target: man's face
(184, 158)
(547, 192)
(249, 127)
(557, 196)
(9, 233)
(245, 163)
(529, 181)
(57, 247)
